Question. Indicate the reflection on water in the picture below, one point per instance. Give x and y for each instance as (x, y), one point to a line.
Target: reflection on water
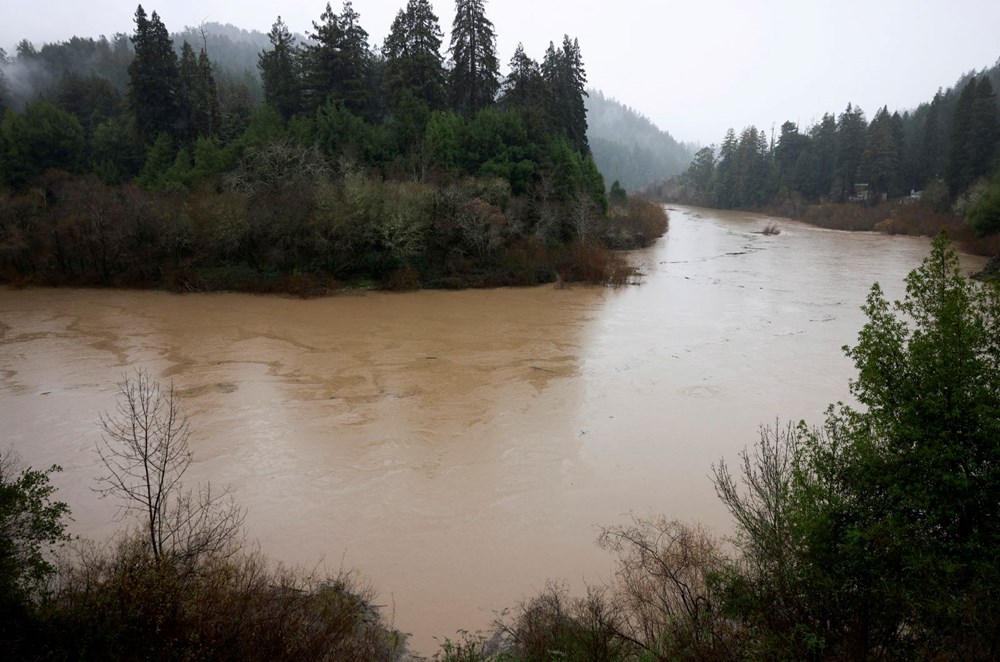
(461, 447)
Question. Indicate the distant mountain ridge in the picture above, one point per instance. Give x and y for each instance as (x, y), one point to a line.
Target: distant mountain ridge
(628, 147)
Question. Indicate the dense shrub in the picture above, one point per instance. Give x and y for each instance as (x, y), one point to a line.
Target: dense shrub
(120, 603)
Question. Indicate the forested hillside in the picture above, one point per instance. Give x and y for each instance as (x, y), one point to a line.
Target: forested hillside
(151, 160)
(943, 153)
(628, 147)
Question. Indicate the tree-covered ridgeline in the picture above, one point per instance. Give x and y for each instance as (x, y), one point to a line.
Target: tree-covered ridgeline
(628, 147)
(945, 153)
(136, 162)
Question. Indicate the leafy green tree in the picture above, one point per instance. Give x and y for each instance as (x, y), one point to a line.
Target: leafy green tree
(90, 99)
(154, 78)
(280, 71)
(30, 523)
(984, 215)
(337, 64)
(115, 150)
(414, 63)
(475, 72)
(878, 532)
(753, 167)
(160, 156)
(443, 140)
(725, 182)
(899, 500)
(40, 138)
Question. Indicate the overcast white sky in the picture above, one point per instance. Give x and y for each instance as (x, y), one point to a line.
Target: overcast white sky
(695, 68)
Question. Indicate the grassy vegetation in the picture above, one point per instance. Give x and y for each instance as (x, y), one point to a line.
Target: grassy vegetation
(909, 218)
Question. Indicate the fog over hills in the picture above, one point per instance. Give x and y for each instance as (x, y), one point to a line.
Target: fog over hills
(628, 147)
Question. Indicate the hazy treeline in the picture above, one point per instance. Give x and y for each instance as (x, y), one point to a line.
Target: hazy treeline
(393, 164)
(947, 149)
(628, 147)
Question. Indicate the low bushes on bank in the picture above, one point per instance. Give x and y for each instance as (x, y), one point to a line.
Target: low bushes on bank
(311, 233)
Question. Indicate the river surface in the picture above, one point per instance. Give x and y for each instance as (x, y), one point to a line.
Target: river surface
(461, 448)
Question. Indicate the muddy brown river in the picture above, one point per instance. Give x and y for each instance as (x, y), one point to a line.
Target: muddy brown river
(461, 448)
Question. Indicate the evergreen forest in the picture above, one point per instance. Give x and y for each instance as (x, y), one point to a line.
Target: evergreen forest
(941, 157)
(153, 160)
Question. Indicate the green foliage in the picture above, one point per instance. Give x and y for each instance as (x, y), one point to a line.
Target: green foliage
(162, 155)
(851, 130)
(40, 138)
(121, 603)
(280, 71)
(975, 135)
(337, 64)
(920, 461)
(955, 137)
(414, 65)
(443, 140)
(475, 72)
(881, 158)
(562, 69)
(350, 118)
(90, 99)
(984, 214)
(617, 194)
(154, 79)
(878, 532)
(30, 524)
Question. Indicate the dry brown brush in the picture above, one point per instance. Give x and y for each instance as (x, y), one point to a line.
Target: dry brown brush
(121, 603)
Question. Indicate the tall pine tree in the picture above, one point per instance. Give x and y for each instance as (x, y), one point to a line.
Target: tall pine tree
(932, 146)
(280, 71)
(154, 79)
(475, 73)
(337, 65)
(880, 161)
(525, 90)
(413, 61)
(563, 70)
(985, 133)
(851, 130)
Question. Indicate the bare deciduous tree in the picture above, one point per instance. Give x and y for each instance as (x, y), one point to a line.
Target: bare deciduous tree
(661, 588)
(144, 447)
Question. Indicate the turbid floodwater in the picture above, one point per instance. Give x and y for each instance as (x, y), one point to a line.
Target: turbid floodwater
(461, 448)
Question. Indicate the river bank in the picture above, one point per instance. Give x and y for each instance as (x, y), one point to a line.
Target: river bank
(904, 217)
